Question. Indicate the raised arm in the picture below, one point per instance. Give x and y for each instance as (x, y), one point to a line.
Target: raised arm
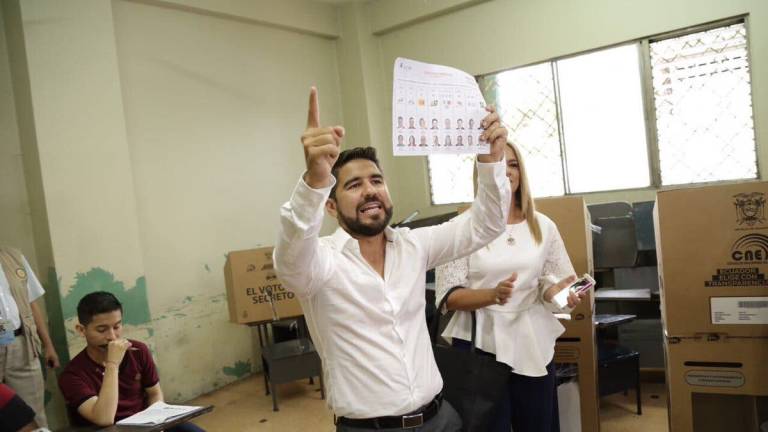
(487, 218)
(101, 409)
(297, 258)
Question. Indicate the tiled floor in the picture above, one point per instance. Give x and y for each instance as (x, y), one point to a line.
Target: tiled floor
(243, 406)
(618, 413)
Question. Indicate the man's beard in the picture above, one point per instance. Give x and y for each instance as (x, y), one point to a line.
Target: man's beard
(354, 226)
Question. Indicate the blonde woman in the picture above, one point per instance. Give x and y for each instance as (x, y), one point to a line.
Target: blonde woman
(510, 284)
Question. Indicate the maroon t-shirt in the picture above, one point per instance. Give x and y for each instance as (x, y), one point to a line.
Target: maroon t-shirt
(81, 380)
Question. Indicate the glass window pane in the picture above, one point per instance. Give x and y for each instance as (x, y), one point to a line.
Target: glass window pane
(450, 178)
(525, 99)
(703, 105)
(603, 121)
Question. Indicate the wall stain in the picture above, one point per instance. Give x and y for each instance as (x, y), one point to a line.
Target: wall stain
(238, 370)
(134, 300)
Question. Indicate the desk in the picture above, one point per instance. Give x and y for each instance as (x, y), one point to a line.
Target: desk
(641, 294)
(618, 367)
(288, 360)
(609, 320)
(155, 428)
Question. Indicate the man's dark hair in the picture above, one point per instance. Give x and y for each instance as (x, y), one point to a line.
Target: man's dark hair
(367, 153)
(95, 303)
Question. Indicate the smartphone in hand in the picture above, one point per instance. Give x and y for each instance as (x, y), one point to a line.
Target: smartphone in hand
(582, 284)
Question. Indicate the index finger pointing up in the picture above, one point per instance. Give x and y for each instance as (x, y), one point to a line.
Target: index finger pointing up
(313, 117)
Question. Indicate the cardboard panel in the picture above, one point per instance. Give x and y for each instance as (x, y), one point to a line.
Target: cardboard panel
(577, 344)
(718, 383)
(584, 355)
(254, 293)
(712, 246)
(572, 219)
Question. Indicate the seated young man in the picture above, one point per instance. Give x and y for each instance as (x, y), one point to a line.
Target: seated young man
(112, 378)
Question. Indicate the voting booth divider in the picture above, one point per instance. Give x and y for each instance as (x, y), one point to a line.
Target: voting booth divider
(712, 249)
(577, 346)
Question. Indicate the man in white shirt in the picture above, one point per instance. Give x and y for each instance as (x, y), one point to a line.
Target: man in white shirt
(362, 289)
(23, 332)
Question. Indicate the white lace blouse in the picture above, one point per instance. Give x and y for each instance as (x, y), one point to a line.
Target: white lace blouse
(522, 333)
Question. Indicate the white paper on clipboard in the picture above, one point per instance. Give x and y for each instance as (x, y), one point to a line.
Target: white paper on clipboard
(435, 110)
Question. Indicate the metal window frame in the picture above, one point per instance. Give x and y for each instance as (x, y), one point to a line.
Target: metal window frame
(648, 100)
(739, 19)
(560, 127)
(649, 110)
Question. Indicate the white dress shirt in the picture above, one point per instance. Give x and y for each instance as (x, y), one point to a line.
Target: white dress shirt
(8, 308)
(522, 332)
(371, 332)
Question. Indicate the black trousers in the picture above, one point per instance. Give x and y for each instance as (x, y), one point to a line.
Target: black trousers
(529, 404)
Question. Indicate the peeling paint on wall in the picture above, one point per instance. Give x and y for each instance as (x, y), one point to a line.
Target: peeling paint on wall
(238, 370)
(183, 331)
(134, 300)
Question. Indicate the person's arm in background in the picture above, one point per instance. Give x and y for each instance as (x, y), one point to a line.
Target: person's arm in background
(297, 258)
(456, 274)
(51, 358)
(101, 409)
(487, 218)
(35, 292)
(472, 299)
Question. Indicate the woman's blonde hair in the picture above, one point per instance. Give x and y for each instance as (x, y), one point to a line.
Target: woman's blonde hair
(523, 198)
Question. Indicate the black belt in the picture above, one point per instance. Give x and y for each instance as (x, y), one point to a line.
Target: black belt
(406, 421)
(19, 331)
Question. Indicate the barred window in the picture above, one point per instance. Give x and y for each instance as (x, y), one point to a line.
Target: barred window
(667, 110)
(703, 103)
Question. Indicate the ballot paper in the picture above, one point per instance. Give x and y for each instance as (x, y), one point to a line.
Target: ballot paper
(157, 413)
(435, 110)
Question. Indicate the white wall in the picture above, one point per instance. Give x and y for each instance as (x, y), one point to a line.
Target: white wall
(214, 109)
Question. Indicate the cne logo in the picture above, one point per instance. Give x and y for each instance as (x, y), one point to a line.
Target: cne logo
(750, 208)
(750, 248)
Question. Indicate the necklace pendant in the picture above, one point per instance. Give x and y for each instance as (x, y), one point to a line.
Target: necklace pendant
(510, 240)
